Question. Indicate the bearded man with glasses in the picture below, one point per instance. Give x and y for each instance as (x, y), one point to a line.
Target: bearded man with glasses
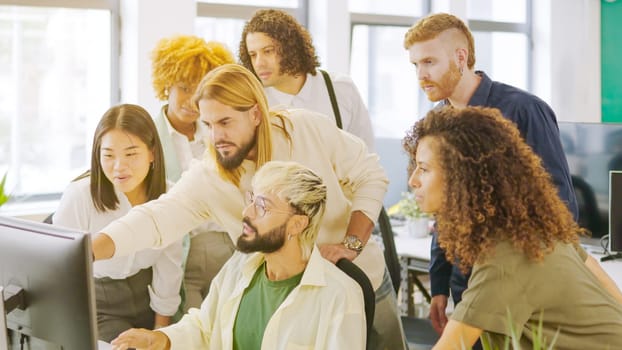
(277, 292)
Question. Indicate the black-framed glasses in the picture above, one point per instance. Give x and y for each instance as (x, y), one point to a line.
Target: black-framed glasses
(259, 204)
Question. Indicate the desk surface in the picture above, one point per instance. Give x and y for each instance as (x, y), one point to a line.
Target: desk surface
(612, 267)
(409, 247)
(419, 248)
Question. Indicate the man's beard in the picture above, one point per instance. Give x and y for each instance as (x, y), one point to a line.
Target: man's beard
(446, 85)
(234, 160)
(269, 242)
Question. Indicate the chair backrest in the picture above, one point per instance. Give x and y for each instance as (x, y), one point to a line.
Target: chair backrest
(361, 278)
(589, 216)
(391, 258)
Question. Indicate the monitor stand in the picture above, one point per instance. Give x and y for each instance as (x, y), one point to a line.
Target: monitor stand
(4, 341)
(611, 257)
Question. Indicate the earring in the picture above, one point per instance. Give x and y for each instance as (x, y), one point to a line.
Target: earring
(289, 237)
(461, 71)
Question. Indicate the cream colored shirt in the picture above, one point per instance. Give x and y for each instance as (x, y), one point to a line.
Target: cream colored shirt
(325, 311)
(76, 210)
(314, 96)
(354, 179)
(180, 153)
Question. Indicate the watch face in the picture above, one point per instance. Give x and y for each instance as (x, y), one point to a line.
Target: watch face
(353, 242)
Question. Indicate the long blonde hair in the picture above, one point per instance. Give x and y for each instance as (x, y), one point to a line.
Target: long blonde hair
(235, 86)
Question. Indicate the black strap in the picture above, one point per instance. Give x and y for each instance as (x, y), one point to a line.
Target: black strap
(333, 99)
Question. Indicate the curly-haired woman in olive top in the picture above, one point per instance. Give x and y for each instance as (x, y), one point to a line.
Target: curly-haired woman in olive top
(498, 212)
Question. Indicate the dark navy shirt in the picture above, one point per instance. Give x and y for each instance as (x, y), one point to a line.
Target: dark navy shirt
(537, 124)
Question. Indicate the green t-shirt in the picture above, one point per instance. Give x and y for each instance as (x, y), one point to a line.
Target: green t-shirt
(260, 300)
(560, 288)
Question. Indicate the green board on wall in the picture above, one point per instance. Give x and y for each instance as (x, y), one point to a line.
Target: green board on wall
(611, 59)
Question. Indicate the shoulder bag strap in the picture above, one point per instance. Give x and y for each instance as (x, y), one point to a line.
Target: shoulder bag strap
(333, 99)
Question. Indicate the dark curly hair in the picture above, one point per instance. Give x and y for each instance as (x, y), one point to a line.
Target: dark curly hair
(496, 188)
(295, 47)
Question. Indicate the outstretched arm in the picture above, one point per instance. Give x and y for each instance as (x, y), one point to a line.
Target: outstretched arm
(102, 246)
(141, 339)
(602, 276)
(440, 275)
(457, 335)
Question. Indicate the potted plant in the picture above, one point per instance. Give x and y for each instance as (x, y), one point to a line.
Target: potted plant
(417, 222)
(3, 196)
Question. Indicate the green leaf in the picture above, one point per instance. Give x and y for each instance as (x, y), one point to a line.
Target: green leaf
(3, 196)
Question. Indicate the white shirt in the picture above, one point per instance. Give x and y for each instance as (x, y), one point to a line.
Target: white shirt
(180, 153)
(76, 210)
(354, 178)
(185, 149)
(314, 96)
(325, 311)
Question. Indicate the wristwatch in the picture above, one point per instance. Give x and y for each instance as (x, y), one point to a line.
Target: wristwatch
(353, 243)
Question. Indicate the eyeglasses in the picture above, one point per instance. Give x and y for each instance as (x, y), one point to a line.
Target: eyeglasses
(259, 204)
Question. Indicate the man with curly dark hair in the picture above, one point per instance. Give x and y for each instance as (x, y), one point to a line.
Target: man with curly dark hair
(280, 52)
(498, 212)
(442, 49)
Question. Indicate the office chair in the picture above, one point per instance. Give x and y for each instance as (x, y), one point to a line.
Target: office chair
(369, 296)
(589, 217)
(419, 332)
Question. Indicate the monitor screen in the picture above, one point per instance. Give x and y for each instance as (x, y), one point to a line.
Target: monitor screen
(53, 266)
(592, 150)
(615, 204)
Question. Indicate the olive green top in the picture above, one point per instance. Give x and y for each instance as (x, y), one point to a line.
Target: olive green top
(560, 289)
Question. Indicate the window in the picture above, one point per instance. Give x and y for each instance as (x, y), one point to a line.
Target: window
(262, 3)
(383, 74)
(56, 74)
(380, 67)
(498, 11)
(224, 20)
(225, 30)
(503, 56)
(391, 7)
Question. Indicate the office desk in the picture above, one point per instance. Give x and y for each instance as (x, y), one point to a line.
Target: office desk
(414, 256)
(612, 267)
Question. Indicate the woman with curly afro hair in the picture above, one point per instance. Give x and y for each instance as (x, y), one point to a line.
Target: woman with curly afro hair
(498, 212)
(178, 65)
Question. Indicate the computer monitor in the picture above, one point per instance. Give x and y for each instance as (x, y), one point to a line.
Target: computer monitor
(53, 267)
(615, 212)
(592, 150)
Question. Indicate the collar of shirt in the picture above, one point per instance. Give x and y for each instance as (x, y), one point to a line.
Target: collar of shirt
(481, 94)
(312, 276)
(480, 97)
(305, 96)
(199, 132)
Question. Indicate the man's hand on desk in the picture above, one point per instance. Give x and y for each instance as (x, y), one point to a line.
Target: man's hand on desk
(438, 305)
(141, 339)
